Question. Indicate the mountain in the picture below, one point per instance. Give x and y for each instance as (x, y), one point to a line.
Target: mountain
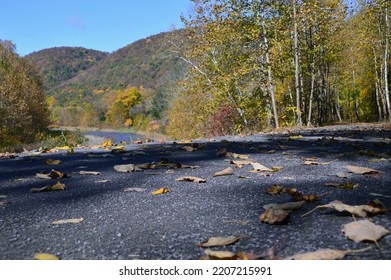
(143, 63)
(60, 64)
(82, 85)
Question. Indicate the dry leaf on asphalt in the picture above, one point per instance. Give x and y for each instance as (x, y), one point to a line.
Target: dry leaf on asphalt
(45, 257)
(161, 191)
(364, 230)
(260, 168)
(275, 217)
(68, 221)
(126, 168)
(325, 254)
(53, 161)
(220, 255)
(241, 163)
(89, 172)
(103, 181)
(57, 187)
(219, 241)
(189, 148)
(191, 179)
(135, 190)
(289, 206)
(54, 174)
(275, 189)
(356, 210)
(361, 170)
(299, 196)
(346, 186)
(227, 171)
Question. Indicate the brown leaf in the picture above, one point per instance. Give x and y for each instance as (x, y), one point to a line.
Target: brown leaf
(356, 210)
(361, 170)
(227, 171)
(89, 172)
(364, 230)
(53, 161)
(260, 168)
(191, 179)
(241, 163)
(189, 148)
(285, 206)
(68, 221)
(307, 162)
(276, 189)
(275, 217)
(219, 241)
(54, 174)
(220, 255)
(299, 196)
(56, 187)
(325, 254)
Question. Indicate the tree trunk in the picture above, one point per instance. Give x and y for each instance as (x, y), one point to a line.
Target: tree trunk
(297, 74)
(270, 76)
(386, 59)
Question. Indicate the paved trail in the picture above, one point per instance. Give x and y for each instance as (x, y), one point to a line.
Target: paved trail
(122, 224)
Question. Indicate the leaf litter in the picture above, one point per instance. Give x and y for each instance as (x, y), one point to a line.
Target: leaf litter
(219, 241)
(364, 230)
(326, 254)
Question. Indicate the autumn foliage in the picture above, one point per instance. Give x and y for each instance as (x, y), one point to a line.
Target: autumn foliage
(23, 111)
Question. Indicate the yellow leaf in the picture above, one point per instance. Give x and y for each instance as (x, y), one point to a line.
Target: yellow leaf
(295, 137)
(53, 161)
(45, 257)
(161, 191)
(107, 143)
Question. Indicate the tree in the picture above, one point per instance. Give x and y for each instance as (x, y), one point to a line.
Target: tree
(23, 111)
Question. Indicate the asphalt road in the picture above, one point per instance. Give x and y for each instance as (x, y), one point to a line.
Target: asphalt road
(121, 224)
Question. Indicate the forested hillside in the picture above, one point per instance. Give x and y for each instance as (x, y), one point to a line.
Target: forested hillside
(60, 64)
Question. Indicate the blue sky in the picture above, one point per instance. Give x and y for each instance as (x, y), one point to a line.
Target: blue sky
(105, 25)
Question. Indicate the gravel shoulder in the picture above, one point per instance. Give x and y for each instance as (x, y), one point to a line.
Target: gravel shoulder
(121, 224)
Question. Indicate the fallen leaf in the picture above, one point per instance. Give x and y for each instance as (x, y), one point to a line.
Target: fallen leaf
(276, 189)
(356, 210)
(342, 175)
(107, 143)
(235, 155)
(54, 174)
(325, 254)
(126, 168)
(299, 196)
(189, 148)
(379, 194)
(53, 161)
(346, 186)
(285, 206)
(89, 172)
(45, 257)
(219, 241)
(277, 168)
(118, 150)
(227, 171)
(58, 186)
(275, 217)
(102, 181)
(68, 221)
(294, 137)
(161, 191)
(364, 230)
(259, 167)
(241, 163)
(191, 179)
(221, 255)
(307, 162)
(135, 190)
(361, 170)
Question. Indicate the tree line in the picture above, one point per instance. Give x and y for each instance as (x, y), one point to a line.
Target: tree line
(260, 64)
